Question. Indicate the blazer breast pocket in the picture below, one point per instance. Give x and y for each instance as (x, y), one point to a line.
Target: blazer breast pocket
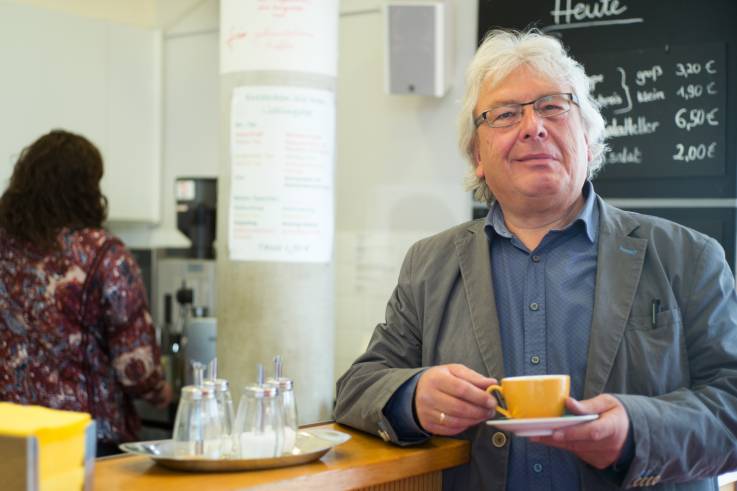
(664, 318)
(655, 355)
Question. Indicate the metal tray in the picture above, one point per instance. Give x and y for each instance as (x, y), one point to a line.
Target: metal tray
(311, 444)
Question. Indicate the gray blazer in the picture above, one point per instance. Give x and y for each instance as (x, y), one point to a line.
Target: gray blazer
(677, 381)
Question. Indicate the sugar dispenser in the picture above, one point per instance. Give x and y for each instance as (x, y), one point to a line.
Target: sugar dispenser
(224, 404)
(288, 404)
(197, 428)
(259, 430)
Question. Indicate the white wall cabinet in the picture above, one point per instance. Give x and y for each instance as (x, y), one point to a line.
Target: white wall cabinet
(93, 77)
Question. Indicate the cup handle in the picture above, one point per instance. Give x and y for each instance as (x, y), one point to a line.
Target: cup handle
(496, 390)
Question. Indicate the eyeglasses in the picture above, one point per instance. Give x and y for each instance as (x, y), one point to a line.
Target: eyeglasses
(546, 106)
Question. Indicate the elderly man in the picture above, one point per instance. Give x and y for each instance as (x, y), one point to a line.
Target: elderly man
(641, 312)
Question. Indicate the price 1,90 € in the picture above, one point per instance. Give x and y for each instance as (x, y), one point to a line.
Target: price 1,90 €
(692, 91)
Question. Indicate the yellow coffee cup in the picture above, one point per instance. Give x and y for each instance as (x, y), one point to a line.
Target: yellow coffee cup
(533, 396)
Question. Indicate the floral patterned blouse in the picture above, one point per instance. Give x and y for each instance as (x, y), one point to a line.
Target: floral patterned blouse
(75, 330)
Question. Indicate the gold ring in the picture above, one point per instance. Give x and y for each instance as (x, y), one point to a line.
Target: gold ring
(442, 417)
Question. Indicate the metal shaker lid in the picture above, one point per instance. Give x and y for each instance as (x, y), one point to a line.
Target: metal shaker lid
(221, 385)
(284, 383)
(191, 393)
(261, 391)
(208, 389)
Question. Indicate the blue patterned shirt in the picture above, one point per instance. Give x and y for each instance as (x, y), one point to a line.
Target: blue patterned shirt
(545, 302)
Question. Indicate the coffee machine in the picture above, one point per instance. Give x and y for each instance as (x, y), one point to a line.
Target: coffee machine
(186, 282)
(181, 286)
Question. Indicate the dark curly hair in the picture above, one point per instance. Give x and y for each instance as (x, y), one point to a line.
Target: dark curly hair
(55, 184)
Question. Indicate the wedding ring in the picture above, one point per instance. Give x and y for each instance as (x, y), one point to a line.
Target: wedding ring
(442, 417)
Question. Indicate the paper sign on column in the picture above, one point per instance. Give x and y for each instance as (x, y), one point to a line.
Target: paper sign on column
(282, 154)
(298, 35)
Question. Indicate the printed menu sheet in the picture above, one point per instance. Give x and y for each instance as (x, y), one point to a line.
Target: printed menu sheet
(282, 173)
(292, 35)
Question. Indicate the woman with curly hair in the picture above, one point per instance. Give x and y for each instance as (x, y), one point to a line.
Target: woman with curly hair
(75, 329)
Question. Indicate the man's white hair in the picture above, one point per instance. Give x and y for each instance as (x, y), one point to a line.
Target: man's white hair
(500, 54)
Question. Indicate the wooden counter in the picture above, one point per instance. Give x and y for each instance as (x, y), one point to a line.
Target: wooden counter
(363, 462)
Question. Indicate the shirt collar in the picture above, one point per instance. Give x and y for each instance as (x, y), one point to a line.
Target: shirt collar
(588, 216)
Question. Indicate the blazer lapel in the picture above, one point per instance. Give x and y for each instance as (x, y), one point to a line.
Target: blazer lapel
(619, 265)
(472, 249)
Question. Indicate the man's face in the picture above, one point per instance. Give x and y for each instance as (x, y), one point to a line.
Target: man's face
(539, 162)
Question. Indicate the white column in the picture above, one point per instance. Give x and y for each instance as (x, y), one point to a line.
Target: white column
(276, 216)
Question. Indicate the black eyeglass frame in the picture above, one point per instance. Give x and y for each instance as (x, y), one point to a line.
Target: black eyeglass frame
(482, 117)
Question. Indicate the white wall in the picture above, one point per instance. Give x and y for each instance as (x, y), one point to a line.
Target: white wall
(191, 118)
(399, 173)
(191, 142)
(142, 13)
(85, 75)
(134, 12)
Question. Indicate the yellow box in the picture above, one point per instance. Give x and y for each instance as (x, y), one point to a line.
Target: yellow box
(46, 449)
(65, 481)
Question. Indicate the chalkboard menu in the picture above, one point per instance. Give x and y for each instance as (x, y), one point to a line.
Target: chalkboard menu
(665, 109)
(665, 75)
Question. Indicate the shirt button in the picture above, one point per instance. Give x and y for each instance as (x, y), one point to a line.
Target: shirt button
(534, 359)
(498, 439)
(537, 468)
(534, 307)
(535, 259)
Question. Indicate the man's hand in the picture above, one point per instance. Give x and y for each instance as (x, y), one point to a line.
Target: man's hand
(599, 442)
(451, 398)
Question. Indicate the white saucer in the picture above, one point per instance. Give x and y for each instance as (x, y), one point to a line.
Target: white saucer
(539, 426)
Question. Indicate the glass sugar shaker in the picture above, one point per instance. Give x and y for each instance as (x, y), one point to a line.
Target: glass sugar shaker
(225, 406)
(187, 433)
(288, 404)
(212, 429)
(197, 425)
(259, 429)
